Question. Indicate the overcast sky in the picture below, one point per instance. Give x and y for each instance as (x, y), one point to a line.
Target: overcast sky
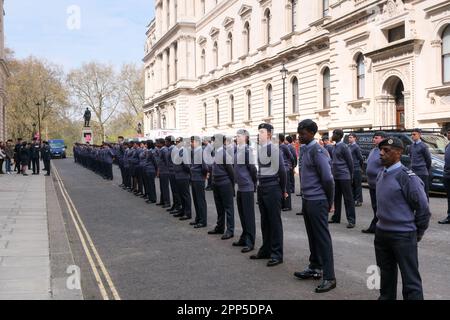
(72, 32)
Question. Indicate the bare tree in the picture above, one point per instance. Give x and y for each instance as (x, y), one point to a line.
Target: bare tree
(95, 85)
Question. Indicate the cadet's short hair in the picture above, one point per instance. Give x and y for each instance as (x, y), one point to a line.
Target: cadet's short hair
(419, 131)
(266, 126)
(308, 125)
(289, 139)
(325, 137)
(196, 138)
(281, 137)
(381, 134)
(353, 135)
(338, 132)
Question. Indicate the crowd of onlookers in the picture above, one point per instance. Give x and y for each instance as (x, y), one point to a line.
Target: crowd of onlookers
(21, 156)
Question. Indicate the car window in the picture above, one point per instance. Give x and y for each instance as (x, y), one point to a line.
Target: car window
(436, 143)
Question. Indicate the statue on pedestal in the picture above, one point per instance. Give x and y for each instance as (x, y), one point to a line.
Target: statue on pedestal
(87, 118)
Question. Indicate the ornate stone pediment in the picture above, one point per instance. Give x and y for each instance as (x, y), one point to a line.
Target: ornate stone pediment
(214, 32)
(228, 23)
(245, 10)
(201, 40)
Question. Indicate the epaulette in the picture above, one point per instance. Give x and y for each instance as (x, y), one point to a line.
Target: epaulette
(320, 150)
(409, 172)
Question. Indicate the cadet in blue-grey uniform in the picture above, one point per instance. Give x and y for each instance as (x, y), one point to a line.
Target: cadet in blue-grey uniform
(119, 152)
(182, 176)
(403, 216)
(163, 174)
(150, 168)
(199, 171)
(108, 156)
(46, 156)
(291, 174)
(289, 164)
(176, 206)
(420, 158)
(142, 164)
(342, 167)
(246, 178)
(374, 166)
(318, 194)
(447, 179)
(328, 145)
(126, 166)
(358, 162)
(272, 187)
(223, 188)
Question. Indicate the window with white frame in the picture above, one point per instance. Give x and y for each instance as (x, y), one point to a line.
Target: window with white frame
(168, 14)
(325, 8)
(203, 7)
(360, 77)
(294, 8)
(294, 95)
(205, 114)
(326, 88)
(175, 52)
(203, 61)
(232, 109)
(217, 112)
(230, 46)
(446, 55)
(247, 37)
(267, 19)
(216, 54)
(269, 100)
(249, 104)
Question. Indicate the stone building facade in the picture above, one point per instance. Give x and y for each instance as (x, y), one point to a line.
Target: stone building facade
(214, 66)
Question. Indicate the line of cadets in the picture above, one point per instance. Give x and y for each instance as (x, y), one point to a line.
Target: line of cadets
(327, 174)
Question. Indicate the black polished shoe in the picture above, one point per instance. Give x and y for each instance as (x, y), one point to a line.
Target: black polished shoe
(333, 221)
(308, 274)
(445, 221)
(184, 218)
(179, 215)
(274, 262)
(166, 206)
(238, 244)
(259, 256)
(326, 286)
(350, 226)
(215, 231)
(247, 249)
(199, 226)
(160, 204)
(286, 209)
(358, 204)
(227, 236)
(193, 223)
(368, 231)
(300, 214)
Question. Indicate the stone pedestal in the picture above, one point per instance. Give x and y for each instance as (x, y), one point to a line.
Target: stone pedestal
(87, 136)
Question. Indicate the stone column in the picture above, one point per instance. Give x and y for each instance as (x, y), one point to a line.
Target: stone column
(173, 13)
(172, 78)
(164, 17)
(158, 73)
(437, 62)
(182, 63)
(165, 75)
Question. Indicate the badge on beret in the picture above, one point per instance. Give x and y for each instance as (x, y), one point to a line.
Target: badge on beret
(391, 141)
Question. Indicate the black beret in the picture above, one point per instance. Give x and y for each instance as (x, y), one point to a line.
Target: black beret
(382, 134)
(309, 125)
(393, 142)
(266, 126)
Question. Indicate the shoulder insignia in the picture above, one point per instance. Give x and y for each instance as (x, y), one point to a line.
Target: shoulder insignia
(320, 150)
(409, 172)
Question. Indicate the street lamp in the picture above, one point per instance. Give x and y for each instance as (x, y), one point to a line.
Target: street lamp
(284, 73)
(34, 131)
(139, 128)
(38, 105)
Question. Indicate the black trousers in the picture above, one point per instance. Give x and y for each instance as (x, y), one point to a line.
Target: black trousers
(269, 202)
(140, 180)
(109, 171)
(164, 189)
(246, 208)
(373, 200)
(447, 189)
(343, 188)
(223, 198)
(426, 181)
(395, 250)
(47, 166)
(357, 186)
(319, 238)
(36, 165)
(198, 195)
(127, 177)
(122, 172)
(150, 187)
(291, 176)
(175, 193)
(185, 196)
(286, 203)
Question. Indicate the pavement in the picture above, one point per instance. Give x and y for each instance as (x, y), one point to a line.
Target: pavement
(150, 255)
(33, 255)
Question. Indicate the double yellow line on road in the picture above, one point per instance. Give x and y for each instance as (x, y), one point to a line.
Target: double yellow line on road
(98, 267)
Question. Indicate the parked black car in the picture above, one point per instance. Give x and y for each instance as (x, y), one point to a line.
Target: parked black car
(435, 141)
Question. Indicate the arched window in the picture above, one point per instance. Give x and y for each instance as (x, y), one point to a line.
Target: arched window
(325, 8)
(249, 105)
(231, 108)
(217, 112)
(230, 46)
(294, 14)
(216, 54)
(361, 77)
(294, 95)
(247, 37)
(164, 122)
(203, 62)
(446, 55)
(205, 114)
(267, 17)
(269, 100)
(326, 88)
